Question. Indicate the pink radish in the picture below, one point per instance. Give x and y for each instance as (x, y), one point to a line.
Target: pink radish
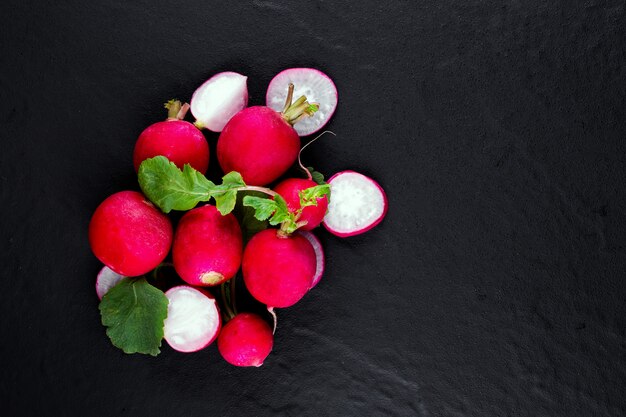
(207, 246)
(246, 340)
(313, 84)
(130, 235)
(107, 279)
(278, 270)
(290, 189)
(193, 319)
(358, 203)
(181, 142)
(319, 255)
(216, 101)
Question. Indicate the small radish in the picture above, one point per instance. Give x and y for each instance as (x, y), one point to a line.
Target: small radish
(180, 141)
(358, 203)
(319, 255)
(246, 340)
(207, 247)
(278, 270)
(107, 279)
(129, 235)
(260, 143)
(290, 189)
(312, 83)
(193, 319)
(216, 101)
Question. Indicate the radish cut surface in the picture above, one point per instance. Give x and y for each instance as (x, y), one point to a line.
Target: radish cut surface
(309, 82)
(216, 101)
(319, 256)
(357, 204)
(107, 279)
(193, 319)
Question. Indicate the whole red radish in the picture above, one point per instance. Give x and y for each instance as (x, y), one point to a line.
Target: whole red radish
(179, 141)
(207, 246)
(246, 340)
(278, 270)
(193, 319)
(290, 189)
(261, 143)
(129, 235)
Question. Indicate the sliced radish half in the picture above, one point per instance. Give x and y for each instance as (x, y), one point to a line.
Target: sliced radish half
(309, 82)
(357, 203)
(193, 319)
(319, 255)
(218, 99)
(106, 279)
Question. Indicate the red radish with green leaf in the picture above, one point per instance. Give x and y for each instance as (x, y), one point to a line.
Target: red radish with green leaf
(308, 82)
(216, 101)
(245, 340)
(179, 141)
(129, 234)
(261, 143)
(207, 247)
(312, 215)
(193, 319)
(358, 203)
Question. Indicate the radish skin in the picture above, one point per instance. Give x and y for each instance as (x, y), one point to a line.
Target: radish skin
(358, 204)
(290, 189)
(193, 319)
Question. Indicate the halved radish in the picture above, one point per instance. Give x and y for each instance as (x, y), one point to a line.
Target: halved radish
(193, 319)
(218, 99)
(309, 82)
(319, 255)
(107, 279)
(357, 204)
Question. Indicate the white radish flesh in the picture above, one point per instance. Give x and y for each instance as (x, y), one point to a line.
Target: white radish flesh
(216, 101)
(309, 82)
(107, 279)
(193, 319)
(357, 204)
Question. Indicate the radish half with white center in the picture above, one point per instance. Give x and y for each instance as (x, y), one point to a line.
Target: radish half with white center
(319, 255)
(357, 204)
(216, 101)
(107, 279)
(309, 82)
(193, 319)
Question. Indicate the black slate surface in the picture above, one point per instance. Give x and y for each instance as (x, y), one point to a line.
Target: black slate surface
(494, 287)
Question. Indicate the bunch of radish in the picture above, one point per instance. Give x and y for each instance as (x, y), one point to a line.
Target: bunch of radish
(207, 248)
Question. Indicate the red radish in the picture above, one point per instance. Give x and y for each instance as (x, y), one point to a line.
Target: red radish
(319, 255)
(358, 203)
(218, 99)
(193, 319)
(107, 279)
(246, 340)
(130, 235)
(290, 189)
(309, 82)
(181, 142)
(207, 247)
(278, 270)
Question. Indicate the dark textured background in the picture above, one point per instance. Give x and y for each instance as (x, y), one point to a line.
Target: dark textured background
(495, 286)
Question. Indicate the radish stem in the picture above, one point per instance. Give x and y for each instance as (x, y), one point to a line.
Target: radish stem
(308, 173)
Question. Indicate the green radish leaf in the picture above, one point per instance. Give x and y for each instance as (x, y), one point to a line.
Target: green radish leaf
(169, 188)
(282, 212)
(318, 177)
(225, 194)
(250, 225)
(309, 196)
(232, 180)
(133, 312)
(225, 202)
(264, 207)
